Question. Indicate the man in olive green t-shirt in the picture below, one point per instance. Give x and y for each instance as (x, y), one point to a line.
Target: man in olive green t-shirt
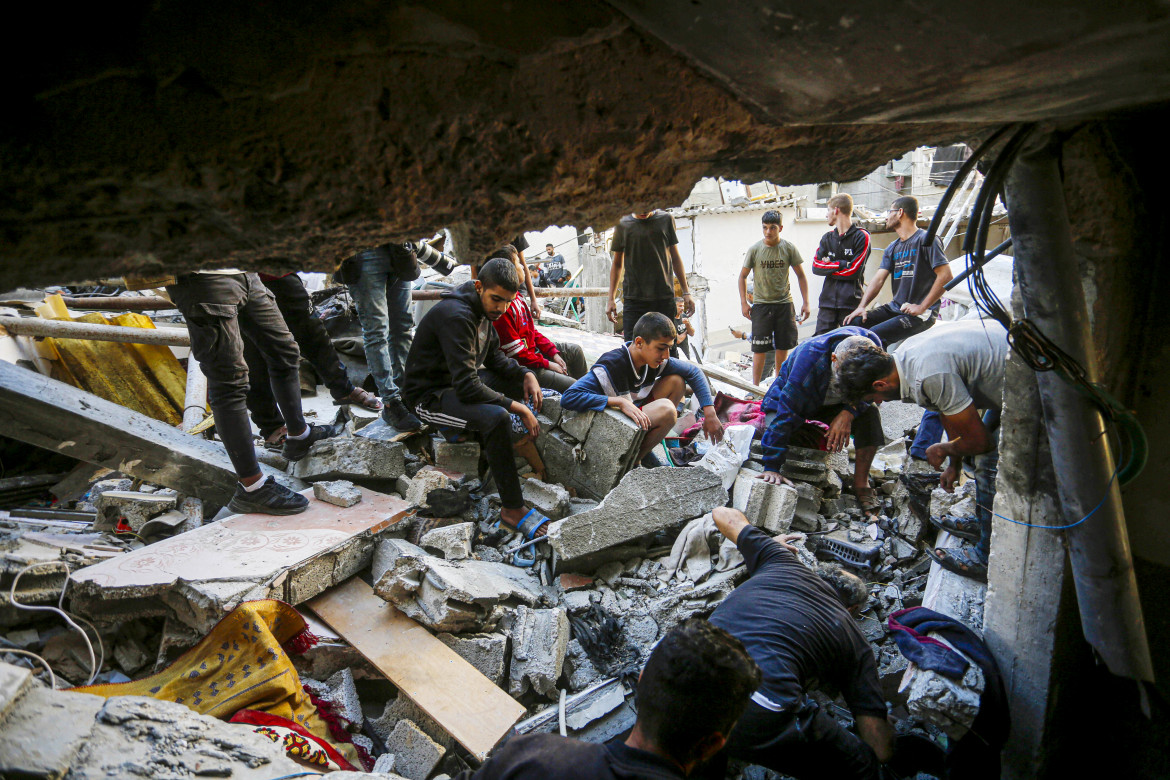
(772, 314)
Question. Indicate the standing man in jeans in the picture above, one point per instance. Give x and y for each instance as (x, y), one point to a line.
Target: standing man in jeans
(647, 247)
(385, 310)
(222, 309)
(772, 314)
(313, 340)
(840, 258)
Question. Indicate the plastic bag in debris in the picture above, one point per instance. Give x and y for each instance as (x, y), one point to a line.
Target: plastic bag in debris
(727, 457)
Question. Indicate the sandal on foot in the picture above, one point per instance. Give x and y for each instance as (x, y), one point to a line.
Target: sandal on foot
(962, 527)
(532, 522)
(871, 505)
(961, 560)
(362, 398)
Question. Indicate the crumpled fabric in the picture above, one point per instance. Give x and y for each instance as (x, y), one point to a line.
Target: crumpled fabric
(690, 558)
(732, 411)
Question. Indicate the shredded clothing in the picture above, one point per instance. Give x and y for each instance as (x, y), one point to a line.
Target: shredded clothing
(454, 340)
(913, 268)
(841, 259)
(798, 631)
(614, 375)
(645, 244)
(769, 266)
(544, 756)
(950, 367)
(802, 389)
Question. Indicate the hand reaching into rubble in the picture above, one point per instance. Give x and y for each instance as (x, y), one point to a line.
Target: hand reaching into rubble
(628, 408)
(785, 541)
(774, 478)
(532, 392)
(950, 477)
(838, 435)
(711, 425)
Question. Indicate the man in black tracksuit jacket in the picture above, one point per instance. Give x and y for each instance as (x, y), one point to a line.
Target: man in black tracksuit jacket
(841, 259)
(455, 373)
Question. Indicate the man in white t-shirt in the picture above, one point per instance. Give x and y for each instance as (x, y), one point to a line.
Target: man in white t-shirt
(955, 370)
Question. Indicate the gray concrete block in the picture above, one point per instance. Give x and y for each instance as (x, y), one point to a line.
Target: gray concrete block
(422, 484)
(610, 451)
(339, 492)
(577, 424)
(486, 652)
(453, 596)
(135, 508)
(352, 458)
(13, 681)
(551, 408)
(767, 506)
(453, 542)
(458, 456)
(44, 731)
(539, 640)
(562, 457)
(808, 505)
(415, 754)
(552, 500)
(344, 696)
(645, 501)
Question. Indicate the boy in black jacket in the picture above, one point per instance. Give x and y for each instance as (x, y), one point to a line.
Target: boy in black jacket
(455, 373)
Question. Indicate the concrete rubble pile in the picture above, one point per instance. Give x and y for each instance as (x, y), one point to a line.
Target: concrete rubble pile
(630, 553)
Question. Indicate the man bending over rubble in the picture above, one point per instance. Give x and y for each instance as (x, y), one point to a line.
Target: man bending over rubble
(805, 390)
(796, 627)
(457, 378)
(955, 370)
(690, 694)
(641, 380)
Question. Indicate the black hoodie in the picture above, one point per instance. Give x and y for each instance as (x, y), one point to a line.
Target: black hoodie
(453, 341)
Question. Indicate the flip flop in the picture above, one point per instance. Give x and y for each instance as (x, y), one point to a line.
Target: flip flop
(961, 561)
(532, 522)
(362, 398)
(871, 505)
(962, 527)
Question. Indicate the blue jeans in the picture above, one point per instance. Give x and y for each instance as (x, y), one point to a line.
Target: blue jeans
(930, 431)
(986, 471)
(385, 311)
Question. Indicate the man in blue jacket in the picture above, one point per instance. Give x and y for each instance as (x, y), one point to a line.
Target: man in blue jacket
(805, 390)
(641, 380)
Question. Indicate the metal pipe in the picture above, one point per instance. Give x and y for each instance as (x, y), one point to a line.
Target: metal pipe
(1050, 284)
(953, 283)
(64, 329)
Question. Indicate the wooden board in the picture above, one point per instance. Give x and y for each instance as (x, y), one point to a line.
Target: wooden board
(468, 705)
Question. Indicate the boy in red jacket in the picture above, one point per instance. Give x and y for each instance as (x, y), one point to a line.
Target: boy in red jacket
(557, 366)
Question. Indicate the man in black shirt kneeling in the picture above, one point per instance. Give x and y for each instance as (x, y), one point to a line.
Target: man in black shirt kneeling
(800, 630)
(690, 694)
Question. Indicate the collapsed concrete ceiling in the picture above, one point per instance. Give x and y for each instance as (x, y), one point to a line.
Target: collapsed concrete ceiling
(171, 135)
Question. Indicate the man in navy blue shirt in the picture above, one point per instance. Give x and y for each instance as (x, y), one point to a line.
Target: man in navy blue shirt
(795, 626)
(641, 380)
(805, 390)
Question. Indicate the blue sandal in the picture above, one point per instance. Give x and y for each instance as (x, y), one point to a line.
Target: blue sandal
(532, 522)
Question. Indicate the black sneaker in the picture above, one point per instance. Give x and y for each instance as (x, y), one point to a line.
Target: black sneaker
(271, 499)
(297, 449)
(398, 417)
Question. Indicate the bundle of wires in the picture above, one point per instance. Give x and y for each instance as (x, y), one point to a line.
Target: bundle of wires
(1027, 340)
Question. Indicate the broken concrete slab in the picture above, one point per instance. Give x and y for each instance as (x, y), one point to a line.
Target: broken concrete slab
(341, 692)
(562, 457)
(486, 652)
(808, 505)
(460, 456)
(199, 576)
(645, 501)
(551, 408)
(60, 418)
(415, 754)
(13, 681)
(948, 704)
(610, 451)
(539, 639)
(422, 483)
(136, 509)
(453, 542)
(596, 714)
(577, 424)
(453, 596)
(551, 500)
(767, 506)
(340, 492)
(67, 717)
(358, 458)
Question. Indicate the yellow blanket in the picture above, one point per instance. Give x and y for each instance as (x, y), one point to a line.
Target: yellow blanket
(242, 665)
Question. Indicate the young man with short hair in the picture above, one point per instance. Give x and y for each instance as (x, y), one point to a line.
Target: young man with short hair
(553, 266)
(954, 370)
(639, 379)
(690, 694)
(557, 366)
(457, 377)
(772, 313)
(646, 246)
(801, 634)
(840, 258)
(805, 390)
(920, 276)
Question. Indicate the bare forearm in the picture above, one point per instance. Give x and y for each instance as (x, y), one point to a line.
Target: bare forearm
(680, 273)
(878, 734)
(615, 273)
(730, 522)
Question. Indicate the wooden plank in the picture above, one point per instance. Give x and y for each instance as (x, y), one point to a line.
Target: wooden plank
(468, 705)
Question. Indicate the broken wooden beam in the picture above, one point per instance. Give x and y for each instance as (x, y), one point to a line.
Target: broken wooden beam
(447, 688)
(58, 417)
(64, 329)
